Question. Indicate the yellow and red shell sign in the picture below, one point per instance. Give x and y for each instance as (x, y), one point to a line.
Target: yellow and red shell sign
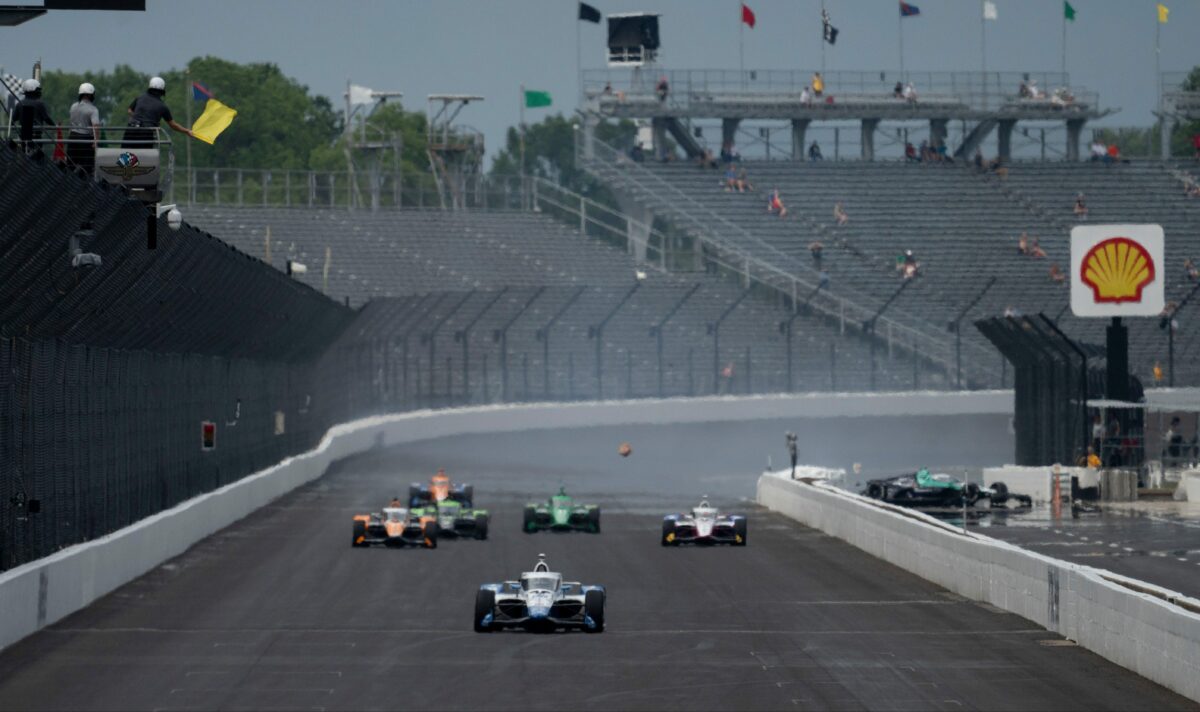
(1117, 270)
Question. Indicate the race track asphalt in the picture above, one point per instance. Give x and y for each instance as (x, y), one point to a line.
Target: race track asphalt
(278, 612)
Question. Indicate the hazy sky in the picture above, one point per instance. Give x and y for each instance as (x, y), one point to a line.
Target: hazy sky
(490, 47)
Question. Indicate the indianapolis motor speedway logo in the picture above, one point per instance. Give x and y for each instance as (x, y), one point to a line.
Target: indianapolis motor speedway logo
(127, 167)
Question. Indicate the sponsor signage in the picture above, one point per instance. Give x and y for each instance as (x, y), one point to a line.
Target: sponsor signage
(1117, 270)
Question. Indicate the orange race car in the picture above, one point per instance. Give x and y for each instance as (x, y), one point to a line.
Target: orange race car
(440, 489)
(395, 527)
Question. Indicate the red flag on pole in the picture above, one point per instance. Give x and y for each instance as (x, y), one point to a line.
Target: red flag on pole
(60, 152)
(747, 16)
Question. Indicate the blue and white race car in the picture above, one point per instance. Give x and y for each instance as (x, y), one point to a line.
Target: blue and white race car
(539, 601)
(705, 525)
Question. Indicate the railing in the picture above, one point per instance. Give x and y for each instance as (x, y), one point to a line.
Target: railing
(786, 275)
(980, 90)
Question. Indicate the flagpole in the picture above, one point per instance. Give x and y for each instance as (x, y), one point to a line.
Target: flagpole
(983, 46)
(187, 90)
(822, 37)
(741, 44)
(1064, 45)
(900, 30)
(578, 58)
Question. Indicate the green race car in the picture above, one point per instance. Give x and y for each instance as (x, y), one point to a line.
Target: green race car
(456, 520)
(561, 513)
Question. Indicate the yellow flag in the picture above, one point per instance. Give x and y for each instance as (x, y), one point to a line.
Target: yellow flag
(216, 118)
(1162, 13)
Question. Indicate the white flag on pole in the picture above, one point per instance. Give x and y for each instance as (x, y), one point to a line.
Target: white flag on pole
(989, 10)
(361, 94)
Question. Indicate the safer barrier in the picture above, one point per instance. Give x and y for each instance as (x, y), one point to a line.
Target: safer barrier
(41, 592)
(1150, 630)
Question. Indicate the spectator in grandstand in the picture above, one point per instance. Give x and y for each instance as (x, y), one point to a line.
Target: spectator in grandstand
(727, 378)
(662, 89)
(637, 153)
(1097, 432)
(839, 214)
(1034, 91)
(31, 113)
(1012, 312)
(910, 94)
(818, 84)
(1191, 189)
(1157, 371)
(910, 153)
(898, 91)
(978, 159)
(706, 159)
(1023, 244)
(1081, 210)
(1112, 154)
(815, 248)
(1023, 91)
(145, 114)
(85, 130)
(1099, 150)
(729, 154)
(942, 155)
(926, 152)
(908, 264)
(607, 89)
(775, 204)
(1190, 271)
(1036, 251)
(743, 181)
(1173, 441)
(814, 152)
(806, 96)
(730, 178)
(1056, 274)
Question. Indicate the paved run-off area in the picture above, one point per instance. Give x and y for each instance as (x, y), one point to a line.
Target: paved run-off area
(278, 612)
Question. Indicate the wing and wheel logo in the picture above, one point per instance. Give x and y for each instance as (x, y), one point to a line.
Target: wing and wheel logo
(1117, 270)
(128, 167)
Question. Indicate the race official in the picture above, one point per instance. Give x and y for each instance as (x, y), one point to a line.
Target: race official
(31, 114)
(146, 113)
(85, 130)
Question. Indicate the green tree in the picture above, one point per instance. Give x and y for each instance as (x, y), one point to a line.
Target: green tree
(550, 151)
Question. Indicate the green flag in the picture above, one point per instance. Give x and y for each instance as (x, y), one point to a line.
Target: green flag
(534, 99)
(1068, 11)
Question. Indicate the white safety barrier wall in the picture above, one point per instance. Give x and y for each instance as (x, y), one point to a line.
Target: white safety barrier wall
(1147, 629)
(41, 592)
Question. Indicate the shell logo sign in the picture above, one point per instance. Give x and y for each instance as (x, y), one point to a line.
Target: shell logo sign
(1116, 270)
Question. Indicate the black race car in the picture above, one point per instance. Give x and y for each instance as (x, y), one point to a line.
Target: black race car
(925, 489)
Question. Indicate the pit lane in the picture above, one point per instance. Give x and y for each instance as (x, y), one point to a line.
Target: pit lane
(278, 612)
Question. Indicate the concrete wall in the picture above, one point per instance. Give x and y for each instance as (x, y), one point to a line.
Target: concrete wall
(41, 592)
(1147, 629)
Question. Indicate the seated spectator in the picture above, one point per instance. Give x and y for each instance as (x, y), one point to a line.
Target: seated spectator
(816, 248)
(909, 265)
(910, 94)
(978, 159)
(662, 89)
(607, 89)
(775, 204)
(942, 155)
(839, 214)
(1012, 312)
(730, 178)
(814, 152)
(898, 91)
(1023, 244)
(818, 84)
(1190, 271)
(1113, 155)
(637, 153)
(1023, 91)
(926, 154)
(1056, 274)
(910, 153)
(806, 96)
(1036, 251)
(1098, 150)
(707, 160)
(743, 182)
(1081, 210)
(1034, 92)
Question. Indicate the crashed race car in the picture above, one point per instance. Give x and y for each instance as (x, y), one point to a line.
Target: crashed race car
(705, 525)
(540, 601)
(926, 489)
(438, 490)
(395, 527)
(455, 520)
(561, 513)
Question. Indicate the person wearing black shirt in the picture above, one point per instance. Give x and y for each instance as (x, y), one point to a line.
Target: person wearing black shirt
(145, 114)
(32, 115)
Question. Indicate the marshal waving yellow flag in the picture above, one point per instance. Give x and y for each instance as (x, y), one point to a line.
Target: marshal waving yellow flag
(216, 118)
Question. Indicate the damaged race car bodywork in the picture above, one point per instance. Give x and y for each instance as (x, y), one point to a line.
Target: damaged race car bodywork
(539, 601)
(395, 527)
(704, 525)
(926, 489)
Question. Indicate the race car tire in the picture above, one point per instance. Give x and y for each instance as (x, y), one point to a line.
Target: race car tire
(875, 491)
(593, 606)
(739, 528)
(668, 527)
(999, 493)
(529, 525)
(970, 492)
(431, 535)
(481, 526)
(360, 532)
(468, 496)
(594, 520)
(485, 604)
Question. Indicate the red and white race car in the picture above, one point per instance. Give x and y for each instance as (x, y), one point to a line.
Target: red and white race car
(705, 525)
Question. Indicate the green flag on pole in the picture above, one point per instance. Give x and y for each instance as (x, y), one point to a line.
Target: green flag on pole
(534, 99)
(1068, 11)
